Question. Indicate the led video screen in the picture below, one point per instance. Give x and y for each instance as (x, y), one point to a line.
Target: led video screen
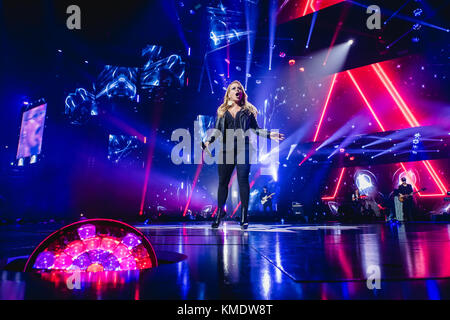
(125, 150)
(31, 132)
(116, 81)
(165, 72)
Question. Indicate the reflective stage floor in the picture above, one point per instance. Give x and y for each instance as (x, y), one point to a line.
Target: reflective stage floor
(268, 261)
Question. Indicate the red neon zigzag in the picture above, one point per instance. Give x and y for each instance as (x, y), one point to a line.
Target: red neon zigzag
(306, 7)
(406, 113)
(337, 186)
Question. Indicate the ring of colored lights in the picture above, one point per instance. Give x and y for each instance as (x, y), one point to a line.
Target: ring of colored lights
(93, 245)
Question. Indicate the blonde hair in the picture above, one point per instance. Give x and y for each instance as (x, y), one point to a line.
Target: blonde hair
(243, 103)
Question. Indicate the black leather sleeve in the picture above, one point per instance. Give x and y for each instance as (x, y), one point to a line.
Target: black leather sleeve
(255, 127)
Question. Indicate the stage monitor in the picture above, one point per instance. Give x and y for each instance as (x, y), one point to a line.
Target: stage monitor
(31, 132)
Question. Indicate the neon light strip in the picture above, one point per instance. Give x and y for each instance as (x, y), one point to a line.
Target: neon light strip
(305, 158)
(306, 7)
(325, 106)
(435, 176)
(144, 238)
(415, 187)
(337, 186)
(396, 96)
(365, 100)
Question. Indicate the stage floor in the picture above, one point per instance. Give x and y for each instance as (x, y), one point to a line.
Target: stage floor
(267, 261)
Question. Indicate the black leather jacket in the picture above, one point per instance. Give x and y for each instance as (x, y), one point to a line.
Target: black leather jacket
(247, 121)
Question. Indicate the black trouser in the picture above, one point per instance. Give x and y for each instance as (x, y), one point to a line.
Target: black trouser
(268, 205)
(408, 209)
(225, 171)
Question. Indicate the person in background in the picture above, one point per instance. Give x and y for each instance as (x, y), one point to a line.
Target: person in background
(265, 194)
(406, 191)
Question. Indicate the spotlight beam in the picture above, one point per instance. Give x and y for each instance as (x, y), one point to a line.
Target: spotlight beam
(313, 22)
(395, 13)
(333, 40)
(272, 27)
(399, 38)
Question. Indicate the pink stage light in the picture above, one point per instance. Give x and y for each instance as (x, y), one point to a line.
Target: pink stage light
(293, 9)
(197, 173)
(365, 100)
(214, 213)
(325, 106)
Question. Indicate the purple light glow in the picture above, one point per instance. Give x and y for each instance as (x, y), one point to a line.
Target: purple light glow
(87, 231)
(45, 260)
(101, 249)
(131, 240)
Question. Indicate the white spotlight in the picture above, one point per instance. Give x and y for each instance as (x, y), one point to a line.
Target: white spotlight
(350, 42)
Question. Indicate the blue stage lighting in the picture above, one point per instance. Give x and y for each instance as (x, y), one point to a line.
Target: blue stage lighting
(214, 38)
(417, 12)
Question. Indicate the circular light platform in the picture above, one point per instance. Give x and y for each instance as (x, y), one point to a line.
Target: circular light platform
(93, 245)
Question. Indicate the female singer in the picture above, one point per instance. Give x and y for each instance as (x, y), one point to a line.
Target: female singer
(236, 113)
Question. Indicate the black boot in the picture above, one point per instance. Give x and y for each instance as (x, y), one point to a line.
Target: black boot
(244, 218)
(219, 215)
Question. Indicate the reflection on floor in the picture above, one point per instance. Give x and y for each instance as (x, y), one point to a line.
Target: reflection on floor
(268, 261)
